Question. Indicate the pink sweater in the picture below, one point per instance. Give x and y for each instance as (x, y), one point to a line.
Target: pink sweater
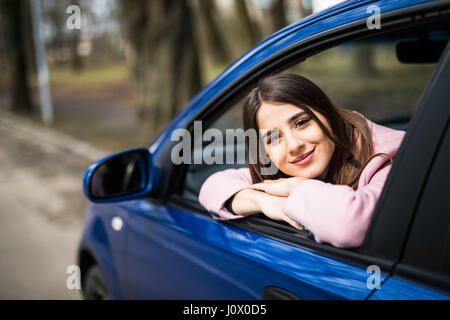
(335, 214)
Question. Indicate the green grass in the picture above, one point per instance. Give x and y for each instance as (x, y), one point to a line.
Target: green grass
(100, 76)
(112, 74)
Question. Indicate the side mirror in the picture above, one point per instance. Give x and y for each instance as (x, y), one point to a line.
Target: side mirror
(124, 175)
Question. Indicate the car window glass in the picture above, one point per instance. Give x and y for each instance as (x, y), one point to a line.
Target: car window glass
(225, 127)
(365, 76)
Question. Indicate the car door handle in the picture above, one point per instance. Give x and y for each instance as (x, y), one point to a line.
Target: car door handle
(276, 293)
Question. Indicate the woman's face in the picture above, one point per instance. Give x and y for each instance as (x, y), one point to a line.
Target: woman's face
(294, 141)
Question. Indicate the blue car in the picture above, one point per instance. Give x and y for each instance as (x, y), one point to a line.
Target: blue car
(147, 237)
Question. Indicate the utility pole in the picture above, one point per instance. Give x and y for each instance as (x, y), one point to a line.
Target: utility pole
(41, 63)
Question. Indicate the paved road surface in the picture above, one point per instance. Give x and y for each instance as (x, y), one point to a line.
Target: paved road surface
(41, 209)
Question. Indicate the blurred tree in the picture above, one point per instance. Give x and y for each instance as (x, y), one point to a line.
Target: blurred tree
(166, 67)
(55, 13)
(16, 16)
(274, 17)
(364, 60)
(278, 15)
(216, 42)
(3, 58)
(305, 7)
(76, 58)
(61, 37)
(250, 27)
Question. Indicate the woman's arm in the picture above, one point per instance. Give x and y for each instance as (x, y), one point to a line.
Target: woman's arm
(222, 185)
(249, 201)
(336, 214)
(219, 187)
(245, 202)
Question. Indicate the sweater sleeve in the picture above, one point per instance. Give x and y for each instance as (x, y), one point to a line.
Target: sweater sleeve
(219, 187)
(336, 214)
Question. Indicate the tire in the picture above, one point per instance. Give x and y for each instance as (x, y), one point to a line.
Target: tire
(95, 287)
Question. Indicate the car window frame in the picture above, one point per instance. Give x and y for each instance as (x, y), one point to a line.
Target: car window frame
(397, 204)
(393, 21)
(438, 96)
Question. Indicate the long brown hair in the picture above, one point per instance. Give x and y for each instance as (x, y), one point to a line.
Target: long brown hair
(353, 148)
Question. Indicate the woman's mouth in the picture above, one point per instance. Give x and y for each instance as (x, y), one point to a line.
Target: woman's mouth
(304, 158)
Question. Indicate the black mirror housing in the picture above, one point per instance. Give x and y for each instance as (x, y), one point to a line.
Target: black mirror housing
(124, 175)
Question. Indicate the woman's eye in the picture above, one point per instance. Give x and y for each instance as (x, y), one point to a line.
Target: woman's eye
(273, 138)
(301, 122)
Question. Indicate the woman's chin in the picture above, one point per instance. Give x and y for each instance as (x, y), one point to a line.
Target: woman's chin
(307, 174)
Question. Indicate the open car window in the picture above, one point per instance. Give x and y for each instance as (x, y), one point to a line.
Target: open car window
(389, 97)
(230, 122)
(373, 77)
(367, 76)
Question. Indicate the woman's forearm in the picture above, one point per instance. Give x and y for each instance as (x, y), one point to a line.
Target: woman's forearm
(245, 202)
(251, 201)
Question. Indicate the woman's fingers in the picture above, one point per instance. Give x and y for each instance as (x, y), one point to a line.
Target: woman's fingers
(271, 188)
(271, 181)
(293, 223)
(259, 186)
(272, 207)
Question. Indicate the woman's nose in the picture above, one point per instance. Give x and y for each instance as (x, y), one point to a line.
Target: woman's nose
(294, 144)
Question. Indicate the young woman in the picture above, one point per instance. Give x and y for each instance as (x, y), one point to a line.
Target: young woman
(332, 163)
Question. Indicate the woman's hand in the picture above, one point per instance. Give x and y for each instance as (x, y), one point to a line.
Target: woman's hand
(251, 201)
(272, 207)
(281, 187)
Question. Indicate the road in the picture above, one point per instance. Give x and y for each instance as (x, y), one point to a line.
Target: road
(42, 209)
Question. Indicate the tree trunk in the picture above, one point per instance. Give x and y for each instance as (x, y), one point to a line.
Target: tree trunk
(273, 16)
(15, 14)
(76, 59)
(250, 28)
(278, 15)
(166, 68)
(216, 43)
(364, 63)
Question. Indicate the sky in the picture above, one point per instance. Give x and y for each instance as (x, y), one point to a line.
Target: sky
(319, 5)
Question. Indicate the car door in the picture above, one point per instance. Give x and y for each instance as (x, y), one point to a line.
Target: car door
(424, 269)
(176, 250)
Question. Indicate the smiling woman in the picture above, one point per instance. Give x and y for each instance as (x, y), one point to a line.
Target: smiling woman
(332, 163)
(286, 104)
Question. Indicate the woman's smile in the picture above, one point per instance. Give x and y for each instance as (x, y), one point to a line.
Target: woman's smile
(304, 158)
